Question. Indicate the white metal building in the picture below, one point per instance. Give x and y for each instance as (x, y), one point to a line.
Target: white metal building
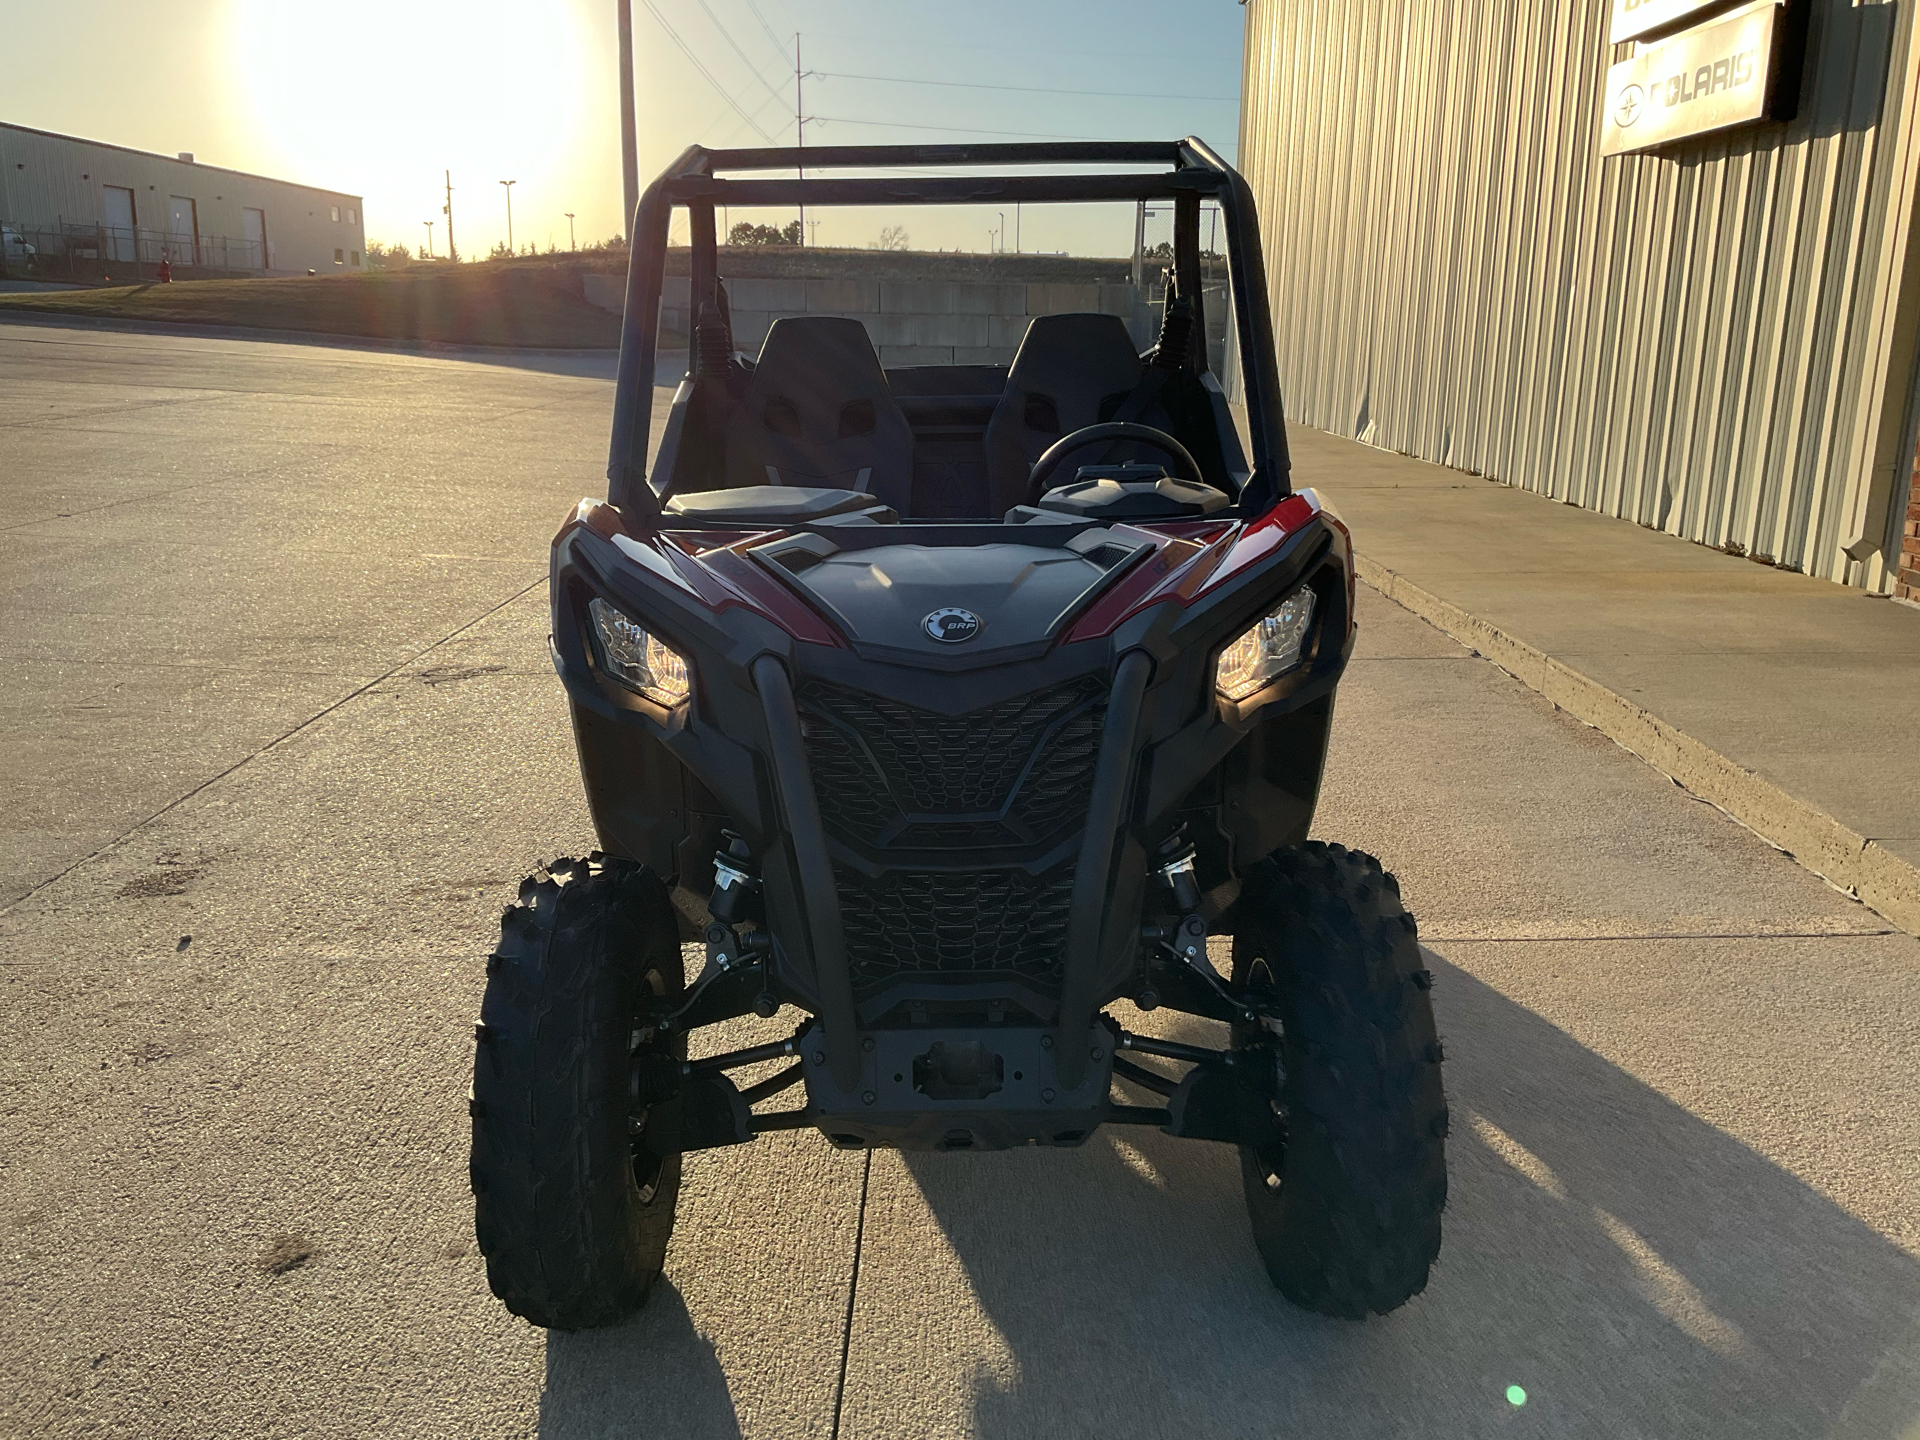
(90, 207)
(1657, 258)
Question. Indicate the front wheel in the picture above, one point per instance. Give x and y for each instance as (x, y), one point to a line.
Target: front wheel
(1345, 1201)
(573, 1205)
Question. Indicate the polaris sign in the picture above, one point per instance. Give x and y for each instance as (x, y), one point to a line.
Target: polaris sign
(1702, 80)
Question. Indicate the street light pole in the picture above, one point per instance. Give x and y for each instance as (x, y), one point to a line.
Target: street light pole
(1003, 231)
(570, 245)
(510, 184)
(429, 225)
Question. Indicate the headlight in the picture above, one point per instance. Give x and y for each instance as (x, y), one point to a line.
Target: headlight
(636, 658)
(1268, 650)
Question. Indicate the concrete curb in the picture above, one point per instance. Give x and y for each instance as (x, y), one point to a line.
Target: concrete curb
(1875, 876)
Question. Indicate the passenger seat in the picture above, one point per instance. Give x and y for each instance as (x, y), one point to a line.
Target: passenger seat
(817, 411)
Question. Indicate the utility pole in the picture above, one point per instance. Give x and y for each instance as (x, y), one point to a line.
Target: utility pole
(447, 210)
(629, 140)
(799, 130)
(510, 184)
(429, 225)
(570, 245)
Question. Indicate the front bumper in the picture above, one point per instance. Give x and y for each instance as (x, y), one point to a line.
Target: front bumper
(1010, 1091)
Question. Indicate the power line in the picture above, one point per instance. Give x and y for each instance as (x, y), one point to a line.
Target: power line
(1022, 89)
(721, 139)
(728, 37)
(1029, 51)
(687, 50)
(758, 111)
(955, 129)
(775, 99)
(777, 43)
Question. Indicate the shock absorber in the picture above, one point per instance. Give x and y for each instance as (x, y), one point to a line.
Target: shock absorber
(736, 884)
(1189, 939)
(1176, 855)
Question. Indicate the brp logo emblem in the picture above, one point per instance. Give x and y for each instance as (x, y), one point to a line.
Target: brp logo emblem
(1627, 109)
(951, 624)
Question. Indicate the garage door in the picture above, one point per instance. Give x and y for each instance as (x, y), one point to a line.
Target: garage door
(256, 223)
(116, 209)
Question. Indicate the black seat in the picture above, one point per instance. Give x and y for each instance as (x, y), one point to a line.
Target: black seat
(1071, 371)
(817, 412)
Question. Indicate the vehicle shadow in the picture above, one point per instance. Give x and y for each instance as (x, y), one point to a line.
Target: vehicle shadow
(654, 1375)
(1636, 1270)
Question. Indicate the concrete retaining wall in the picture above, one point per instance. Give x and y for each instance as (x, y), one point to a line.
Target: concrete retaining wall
(912, 322)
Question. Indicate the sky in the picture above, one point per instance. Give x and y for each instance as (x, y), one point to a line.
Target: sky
(383, 103)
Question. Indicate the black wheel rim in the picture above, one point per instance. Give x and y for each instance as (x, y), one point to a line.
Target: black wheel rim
(648, 1163)
(1270, 1159)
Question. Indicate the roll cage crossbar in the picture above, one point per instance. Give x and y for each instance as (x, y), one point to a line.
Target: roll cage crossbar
(694, 181)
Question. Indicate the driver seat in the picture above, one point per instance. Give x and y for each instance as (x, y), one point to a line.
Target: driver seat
(1071, 371)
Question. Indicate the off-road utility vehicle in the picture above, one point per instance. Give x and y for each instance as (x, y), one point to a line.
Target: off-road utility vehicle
(949, 705)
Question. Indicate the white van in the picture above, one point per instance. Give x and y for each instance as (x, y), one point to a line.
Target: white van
(15, 249)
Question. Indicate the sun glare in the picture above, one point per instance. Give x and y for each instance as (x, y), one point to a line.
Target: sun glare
(382, 106)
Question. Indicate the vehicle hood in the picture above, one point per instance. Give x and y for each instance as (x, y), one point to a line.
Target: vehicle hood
(887, 599)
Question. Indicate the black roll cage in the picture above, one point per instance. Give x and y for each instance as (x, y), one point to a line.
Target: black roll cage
(692, 181)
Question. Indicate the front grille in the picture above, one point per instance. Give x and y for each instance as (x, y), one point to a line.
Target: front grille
(890, 776)
(908, 788)
(973, 923)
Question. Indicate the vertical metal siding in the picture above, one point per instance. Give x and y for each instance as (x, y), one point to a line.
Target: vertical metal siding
(1716, 340)
(42, 185)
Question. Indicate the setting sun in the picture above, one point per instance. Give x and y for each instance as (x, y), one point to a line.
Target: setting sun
(496, 93)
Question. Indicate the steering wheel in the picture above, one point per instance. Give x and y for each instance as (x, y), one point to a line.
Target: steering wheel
(1184, 464)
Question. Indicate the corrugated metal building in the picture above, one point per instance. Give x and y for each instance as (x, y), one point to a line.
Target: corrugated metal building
(80, 201)
(1716, 336)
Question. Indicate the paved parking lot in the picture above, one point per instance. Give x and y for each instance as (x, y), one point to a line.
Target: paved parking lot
(282, 736)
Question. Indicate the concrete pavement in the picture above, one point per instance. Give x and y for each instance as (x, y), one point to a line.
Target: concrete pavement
(1680, 1066)
(166, 496)
(1792, 702)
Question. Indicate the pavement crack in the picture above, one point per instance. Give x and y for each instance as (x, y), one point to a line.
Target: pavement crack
(40, 421)
(281, 739)
(853, 1289)
(109, 505)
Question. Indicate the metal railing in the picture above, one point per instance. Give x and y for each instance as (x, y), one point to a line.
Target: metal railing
(83, 252)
